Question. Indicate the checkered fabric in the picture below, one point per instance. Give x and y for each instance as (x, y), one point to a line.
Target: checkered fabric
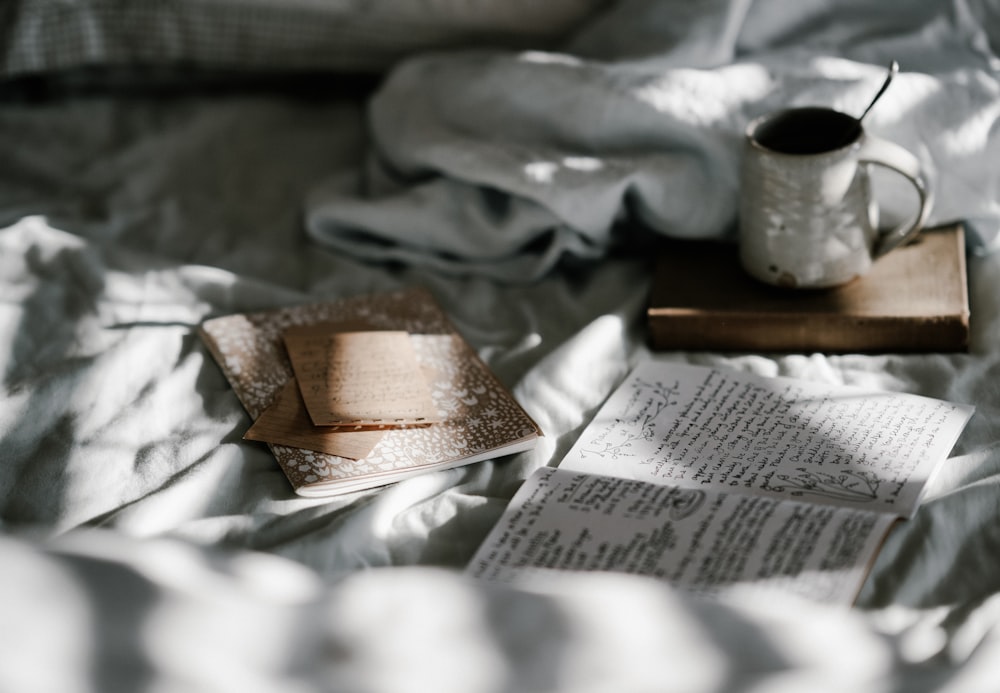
(51, 35)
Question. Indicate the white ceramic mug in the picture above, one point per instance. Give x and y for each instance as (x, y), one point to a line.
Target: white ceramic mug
(807, 217)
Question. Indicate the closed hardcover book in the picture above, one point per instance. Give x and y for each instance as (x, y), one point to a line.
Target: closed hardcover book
(914, 299)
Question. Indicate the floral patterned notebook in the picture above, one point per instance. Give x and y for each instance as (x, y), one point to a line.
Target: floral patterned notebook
(479, 418)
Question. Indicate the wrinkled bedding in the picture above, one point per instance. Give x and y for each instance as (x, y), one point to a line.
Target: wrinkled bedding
(146, 546)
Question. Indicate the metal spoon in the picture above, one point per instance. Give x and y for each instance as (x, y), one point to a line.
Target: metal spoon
(893, 69)
(853, 128)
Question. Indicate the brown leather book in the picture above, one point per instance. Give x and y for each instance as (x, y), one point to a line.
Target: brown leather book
(915, 299)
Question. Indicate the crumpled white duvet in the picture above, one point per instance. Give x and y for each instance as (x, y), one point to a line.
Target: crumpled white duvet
(145, 546)
(102, 613)
(502, 163)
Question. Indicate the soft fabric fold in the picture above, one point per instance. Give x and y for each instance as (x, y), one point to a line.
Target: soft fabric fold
(568, 145)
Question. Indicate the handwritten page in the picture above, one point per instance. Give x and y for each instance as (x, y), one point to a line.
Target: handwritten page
(720, 429)
(363, 379)
(698, 540)
(286, 422)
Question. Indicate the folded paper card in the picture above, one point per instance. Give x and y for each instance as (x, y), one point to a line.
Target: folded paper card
(360, 379)
(286, 422)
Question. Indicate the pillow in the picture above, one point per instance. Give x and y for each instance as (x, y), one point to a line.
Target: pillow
(277, 35)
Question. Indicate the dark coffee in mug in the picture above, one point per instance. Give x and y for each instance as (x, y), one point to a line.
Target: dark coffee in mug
(808, 131)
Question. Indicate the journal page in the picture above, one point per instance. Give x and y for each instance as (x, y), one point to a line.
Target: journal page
(699, 540)
(719, 429)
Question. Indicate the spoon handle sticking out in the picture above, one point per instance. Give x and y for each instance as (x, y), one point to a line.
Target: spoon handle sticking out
(893, 69)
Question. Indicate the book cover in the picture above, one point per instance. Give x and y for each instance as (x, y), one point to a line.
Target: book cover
(915, 299)
(479, 418)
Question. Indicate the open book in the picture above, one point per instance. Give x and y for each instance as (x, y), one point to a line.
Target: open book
(476, 417)
(713, 478)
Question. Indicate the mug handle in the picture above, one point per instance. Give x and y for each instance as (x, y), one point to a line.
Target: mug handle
(875, 150)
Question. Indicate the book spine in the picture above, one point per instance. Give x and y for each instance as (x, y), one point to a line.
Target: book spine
(668, 331)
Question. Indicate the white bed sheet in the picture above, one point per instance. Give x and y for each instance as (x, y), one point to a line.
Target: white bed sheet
(145, 546)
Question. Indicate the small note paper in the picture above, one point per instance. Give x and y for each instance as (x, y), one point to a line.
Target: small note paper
(286, 422)
(359, 379)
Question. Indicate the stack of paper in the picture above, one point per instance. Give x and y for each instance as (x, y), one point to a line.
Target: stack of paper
(365, 391)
